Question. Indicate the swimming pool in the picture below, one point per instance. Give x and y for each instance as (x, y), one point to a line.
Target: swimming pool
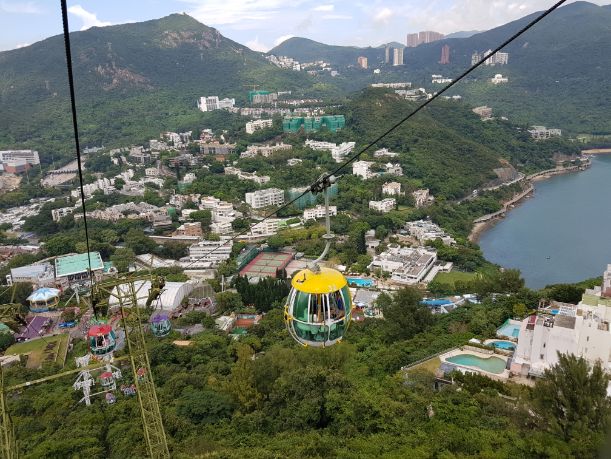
(490, 364)
(506, 345)
(437, 302)
(360, 282)
(510, 328)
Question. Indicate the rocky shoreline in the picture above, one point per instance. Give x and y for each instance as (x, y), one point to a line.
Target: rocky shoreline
(482, 224)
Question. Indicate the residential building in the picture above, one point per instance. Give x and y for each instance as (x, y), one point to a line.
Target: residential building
(257, 125)
(221, 227)
(391, 189)
(440, 79)
(139, 156)
(189, 178)
(58, 214)
(541, 132)
(318, 212)
(313, 123)
(217, 149)
(338, 152)
(189, 229)
(421, 197)
(363, 169)
(484, 112)
(265, 198)
(429, 36)
(406, 265)
(582, 330)
(393, 169)
(382, 152)
(211, 251)
(498, 79)
(209, 103)
(151, 172)
(384, 206)
(260, 179)
(445, 55)
(362, 62)
(293, 161)
(498, 58)
(267, 227)
(412, 40)
(397, 56)
(425, 231)
(413, 94)
(265, 150)
(262, 97)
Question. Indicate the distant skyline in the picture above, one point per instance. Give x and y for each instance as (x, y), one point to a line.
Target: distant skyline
(262, 24)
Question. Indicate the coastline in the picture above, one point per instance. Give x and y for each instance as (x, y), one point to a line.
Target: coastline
(484, 223)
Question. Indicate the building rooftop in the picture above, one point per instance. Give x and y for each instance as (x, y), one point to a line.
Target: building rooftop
(74, 264)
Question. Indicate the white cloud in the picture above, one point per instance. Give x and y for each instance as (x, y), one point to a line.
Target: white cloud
(230, 12)
(342, 17)
(282, 38)
(256, 45)
(326, 8)
(89, 19)
(383, 16)
(20, 8)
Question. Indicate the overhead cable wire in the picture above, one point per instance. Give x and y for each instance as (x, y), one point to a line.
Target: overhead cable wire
(353, 158)
(67, 46)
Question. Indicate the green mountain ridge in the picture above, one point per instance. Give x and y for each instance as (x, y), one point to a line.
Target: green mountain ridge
(132, 80)
(558, 70)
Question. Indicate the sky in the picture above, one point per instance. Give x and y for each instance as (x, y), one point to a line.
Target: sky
(262, 24)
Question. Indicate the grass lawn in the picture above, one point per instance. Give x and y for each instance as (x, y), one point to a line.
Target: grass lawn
(39, 351)
(430, 366)
(453, 276)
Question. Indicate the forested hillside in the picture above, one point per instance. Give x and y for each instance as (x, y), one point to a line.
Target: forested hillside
(132, 82)
(558, 71)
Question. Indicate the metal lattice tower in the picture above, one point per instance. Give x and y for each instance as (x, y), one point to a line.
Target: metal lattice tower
(8, 443)
(126, 296)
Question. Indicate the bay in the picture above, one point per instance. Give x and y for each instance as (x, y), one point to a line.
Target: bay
(562, 233)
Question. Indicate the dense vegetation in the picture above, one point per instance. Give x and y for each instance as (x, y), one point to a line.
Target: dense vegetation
(346, 401)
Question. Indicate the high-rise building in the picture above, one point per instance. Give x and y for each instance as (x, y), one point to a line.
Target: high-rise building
(445, 55)
(387, 55)
(429, 36)
(412, 40)
(362, 61)
(397, 56)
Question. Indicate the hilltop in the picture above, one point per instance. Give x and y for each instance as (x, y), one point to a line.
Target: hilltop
(132, 80)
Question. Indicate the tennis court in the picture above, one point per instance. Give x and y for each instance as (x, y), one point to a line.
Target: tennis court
(266, 264)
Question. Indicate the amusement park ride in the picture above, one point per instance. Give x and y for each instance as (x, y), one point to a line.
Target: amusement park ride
(102, 342)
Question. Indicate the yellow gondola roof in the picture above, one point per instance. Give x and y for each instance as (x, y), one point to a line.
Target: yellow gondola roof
(326, 281)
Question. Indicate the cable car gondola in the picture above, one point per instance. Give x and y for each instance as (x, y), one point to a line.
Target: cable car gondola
(161, 325)
(318, 310)
(319, 307)
(102, 340)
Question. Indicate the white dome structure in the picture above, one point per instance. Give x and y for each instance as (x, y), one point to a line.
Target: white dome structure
(172, 295)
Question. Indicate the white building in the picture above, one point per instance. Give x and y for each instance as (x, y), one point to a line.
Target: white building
(582, 330)
(27, 156)
(406, 265)
(257, 125)
(266, 150)
(421, 197)
(363, 169)
(264, 198)
(318, 212)
(484, 112)
(151, 172)
(260, 179)
(382, 152)
(384, 206)
(221, 227)
(440, 79)
(293, 161)
(426, 230)
(209, 103)
(267, 227)
(393, 169)
(392, 188)
(498, 79)
(338, 152)
(58, 214)
(211, 251)
(541, 132)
